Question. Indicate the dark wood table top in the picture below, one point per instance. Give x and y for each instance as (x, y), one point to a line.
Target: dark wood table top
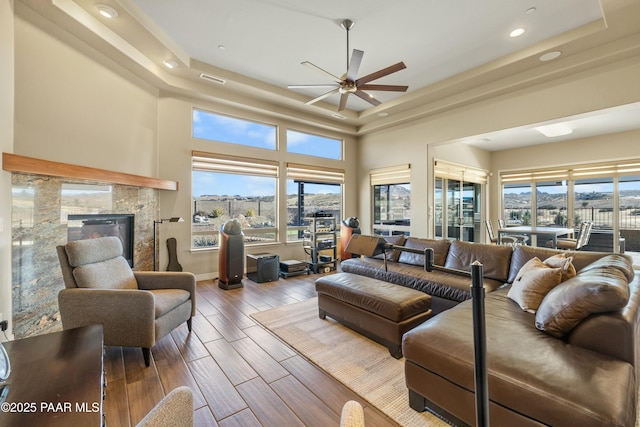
(56, 379)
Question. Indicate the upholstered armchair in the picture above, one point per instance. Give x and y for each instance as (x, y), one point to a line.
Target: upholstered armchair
(136, 308)
(174, 410)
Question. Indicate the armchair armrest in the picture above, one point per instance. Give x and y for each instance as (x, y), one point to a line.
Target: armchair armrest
(151, 280)
(127, 315)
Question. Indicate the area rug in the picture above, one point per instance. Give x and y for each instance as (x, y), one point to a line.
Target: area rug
(359, 363)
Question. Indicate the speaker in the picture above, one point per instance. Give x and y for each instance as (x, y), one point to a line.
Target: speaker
(263, 267)
(230, 260)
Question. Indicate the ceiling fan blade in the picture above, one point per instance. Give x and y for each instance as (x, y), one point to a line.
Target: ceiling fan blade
(318, 86)
(343, 101)
(392, 88)
(326, 73)
(381, 73)
(370, 99)
(321, 97)
(354, 65)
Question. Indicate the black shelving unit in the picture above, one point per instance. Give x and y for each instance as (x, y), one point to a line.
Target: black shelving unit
(320, 242)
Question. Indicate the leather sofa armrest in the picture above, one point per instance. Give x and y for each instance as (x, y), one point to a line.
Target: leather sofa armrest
(151, 280)
(127, 315)
(615, 333)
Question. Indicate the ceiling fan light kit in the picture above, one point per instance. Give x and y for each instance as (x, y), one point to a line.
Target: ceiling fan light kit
(348, 83)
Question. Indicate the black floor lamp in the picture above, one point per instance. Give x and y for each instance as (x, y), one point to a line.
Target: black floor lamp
(155, 246)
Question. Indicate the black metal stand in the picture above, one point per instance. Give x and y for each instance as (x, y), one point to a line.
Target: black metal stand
(480, 346)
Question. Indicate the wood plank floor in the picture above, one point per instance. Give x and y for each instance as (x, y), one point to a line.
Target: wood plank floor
(240, 373)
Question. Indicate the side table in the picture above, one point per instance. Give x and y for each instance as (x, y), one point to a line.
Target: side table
(56, 379)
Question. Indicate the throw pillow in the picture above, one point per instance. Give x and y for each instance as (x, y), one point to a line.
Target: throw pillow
(596, 291)
(532, 283)
(563, 262)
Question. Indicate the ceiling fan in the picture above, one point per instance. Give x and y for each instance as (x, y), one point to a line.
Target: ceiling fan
(348, 83)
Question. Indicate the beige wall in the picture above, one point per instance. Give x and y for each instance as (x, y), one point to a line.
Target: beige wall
(6, 146)
(71, 108)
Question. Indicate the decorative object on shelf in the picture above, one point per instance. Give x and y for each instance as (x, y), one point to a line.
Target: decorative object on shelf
(155, 237)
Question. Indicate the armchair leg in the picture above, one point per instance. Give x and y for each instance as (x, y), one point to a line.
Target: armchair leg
(189, 323)
(146, 353)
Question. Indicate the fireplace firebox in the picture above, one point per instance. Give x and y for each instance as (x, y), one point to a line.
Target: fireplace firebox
(91, 226)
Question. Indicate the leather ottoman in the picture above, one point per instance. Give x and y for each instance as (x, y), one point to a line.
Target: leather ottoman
(379, 310)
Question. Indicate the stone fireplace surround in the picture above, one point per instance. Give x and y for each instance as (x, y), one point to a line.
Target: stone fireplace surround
(39, 224)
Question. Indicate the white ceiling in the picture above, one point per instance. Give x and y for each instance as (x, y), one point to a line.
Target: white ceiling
(268, 39)
(450, 48)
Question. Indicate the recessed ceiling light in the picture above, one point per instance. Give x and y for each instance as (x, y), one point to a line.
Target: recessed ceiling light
(549, 56)
(107, 11)
(530, 11)
(170, 63)
(557, 129)
(383, 114)
(222, 47)
(517, 32)
(339, 116)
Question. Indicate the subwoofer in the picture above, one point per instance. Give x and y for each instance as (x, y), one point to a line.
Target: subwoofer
(263, 267)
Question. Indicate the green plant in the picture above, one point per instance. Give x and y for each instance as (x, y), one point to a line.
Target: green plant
(217, 213)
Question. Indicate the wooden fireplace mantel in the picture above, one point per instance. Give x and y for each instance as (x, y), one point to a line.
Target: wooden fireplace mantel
(21, 164)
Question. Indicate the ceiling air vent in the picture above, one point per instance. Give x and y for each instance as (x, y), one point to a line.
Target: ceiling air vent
(213, 79)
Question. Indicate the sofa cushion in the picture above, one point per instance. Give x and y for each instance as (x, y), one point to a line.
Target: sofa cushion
(394, 254)
(113, 273)
(564, 262)
(495, 259)
(597, 290)
(440, 250)
(532, 283)
(620, 262)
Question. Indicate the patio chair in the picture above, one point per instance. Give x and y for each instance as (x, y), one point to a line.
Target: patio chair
(521, 239)
(584, 233)
(506, 240)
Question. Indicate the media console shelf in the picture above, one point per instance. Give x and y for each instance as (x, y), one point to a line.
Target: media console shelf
(320, 242)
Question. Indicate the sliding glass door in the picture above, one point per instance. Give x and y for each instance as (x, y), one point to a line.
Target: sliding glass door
(458, 208)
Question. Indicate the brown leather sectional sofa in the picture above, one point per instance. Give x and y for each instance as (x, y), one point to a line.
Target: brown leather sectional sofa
(583, 376)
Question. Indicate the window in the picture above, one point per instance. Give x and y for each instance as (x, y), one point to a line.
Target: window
(392, 209)
(516, 204)
(606, 194)
(311, 190)
(391, 200)
(313, 145)
(216, 127)
(551, 203)
(226, 187)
